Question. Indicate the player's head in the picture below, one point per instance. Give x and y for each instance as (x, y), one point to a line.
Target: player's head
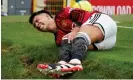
(42, 20)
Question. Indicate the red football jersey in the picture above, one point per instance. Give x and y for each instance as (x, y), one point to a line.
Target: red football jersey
(66, 19)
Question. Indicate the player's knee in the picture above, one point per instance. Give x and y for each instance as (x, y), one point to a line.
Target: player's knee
(83, 37)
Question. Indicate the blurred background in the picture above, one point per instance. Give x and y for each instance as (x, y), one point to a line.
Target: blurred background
(26, 7)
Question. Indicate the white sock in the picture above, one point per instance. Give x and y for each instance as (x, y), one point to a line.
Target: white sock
(62, 62)
(75, 61)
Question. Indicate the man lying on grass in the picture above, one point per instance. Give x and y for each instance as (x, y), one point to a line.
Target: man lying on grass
(76, 31)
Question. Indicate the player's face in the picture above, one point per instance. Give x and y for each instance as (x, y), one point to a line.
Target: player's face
(41, 22)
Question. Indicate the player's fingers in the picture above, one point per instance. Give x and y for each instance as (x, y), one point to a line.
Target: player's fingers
(69, 39)
(65, 37)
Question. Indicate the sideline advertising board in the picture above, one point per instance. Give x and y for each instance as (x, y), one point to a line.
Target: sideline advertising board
(113, 7)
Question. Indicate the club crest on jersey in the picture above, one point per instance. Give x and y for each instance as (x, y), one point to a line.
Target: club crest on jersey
(64, 23)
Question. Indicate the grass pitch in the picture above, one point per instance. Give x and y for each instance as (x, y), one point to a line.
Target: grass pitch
(21, 42)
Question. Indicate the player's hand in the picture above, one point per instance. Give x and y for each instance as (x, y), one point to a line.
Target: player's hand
(70, 36)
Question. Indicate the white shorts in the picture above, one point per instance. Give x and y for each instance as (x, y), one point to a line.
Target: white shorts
(108, 27)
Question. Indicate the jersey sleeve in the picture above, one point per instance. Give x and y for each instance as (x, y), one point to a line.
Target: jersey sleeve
(63, 20)
(79, 16)
(58, 37)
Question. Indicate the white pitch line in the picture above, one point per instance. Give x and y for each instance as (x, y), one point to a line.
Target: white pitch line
(123, 46)
(117, 22)
(128, 27)
(125, 27)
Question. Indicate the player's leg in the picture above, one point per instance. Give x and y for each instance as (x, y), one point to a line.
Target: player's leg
(87, 35)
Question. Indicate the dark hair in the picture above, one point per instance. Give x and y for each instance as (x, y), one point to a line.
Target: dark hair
(37, 13)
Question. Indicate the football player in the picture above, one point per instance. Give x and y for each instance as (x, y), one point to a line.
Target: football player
(76, 31)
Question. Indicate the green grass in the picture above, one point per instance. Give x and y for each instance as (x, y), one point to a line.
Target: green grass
(20, 40)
